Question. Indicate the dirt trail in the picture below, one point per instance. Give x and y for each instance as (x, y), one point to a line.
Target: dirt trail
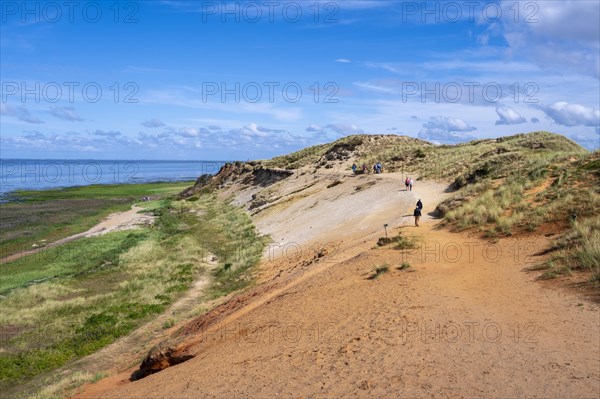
(464, 320)
(127, 220)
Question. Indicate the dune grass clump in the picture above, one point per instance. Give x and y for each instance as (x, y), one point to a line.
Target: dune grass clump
(405, 242)
(379, 271)
(404, 266)
(401, 242)
(578, 249)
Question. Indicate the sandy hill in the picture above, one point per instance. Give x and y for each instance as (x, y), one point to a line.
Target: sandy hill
(453, 308)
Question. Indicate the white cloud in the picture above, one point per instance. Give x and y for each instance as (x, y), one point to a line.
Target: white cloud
(445, 129)
(570, 19)
(555, 34)
(257, 137)
(254, 131)
(65, 113)
(343, 60)
(187, 132)
(110, 133)
(567, 114)
(509, 116)
(153, 123)
(315, 129)
(344, 129)
(385, 66)
(375, 88)
(20, 112)
(591, 140)
(448, 123)
(281, 109)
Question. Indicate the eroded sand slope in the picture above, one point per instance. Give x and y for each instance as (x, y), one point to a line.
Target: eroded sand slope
(464, 320)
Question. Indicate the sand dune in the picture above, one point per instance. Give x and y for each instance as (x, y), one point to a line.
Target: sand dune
(465, 320)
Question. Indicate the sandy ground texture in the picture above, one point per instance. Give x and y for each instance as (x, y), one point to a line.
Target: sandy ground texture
(464, 320)
(127, 220)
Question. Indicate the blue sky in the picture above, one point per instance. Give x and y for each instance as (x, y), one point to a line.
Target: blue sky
(250, 80)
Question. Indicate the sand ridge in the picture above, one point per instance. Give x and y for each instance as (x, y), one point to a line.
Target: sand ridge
(464, 320)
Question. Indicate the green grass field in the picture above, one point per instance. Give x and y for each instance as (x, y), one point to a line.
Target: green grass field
(54, 214)
(69, 301)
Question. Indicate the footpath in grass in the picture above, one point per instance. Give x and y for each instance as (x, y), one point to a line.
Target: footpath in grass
(36, 218)
(60, 307)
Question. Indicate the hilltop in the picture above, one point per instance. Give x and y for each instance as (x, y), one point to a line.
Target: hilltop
(516, 181)
(350, 299)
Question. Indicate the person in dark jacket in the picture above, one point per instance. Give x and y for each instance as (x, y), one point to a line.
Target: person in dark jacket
(419, 204)
(417, 215)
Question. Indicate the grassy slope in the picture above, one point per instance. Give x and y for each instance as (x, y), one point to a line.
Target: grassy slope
(68, 303)
(310, 156)
(54, 214)
(528, 183)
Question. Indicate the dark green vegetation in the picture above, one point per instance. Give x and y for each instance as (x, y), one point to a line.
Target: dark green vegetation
(54, 214)
(67, 302)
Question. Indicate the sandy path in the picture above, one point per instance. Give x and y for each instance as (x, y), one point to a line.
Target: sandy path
(130, 219)
(342, 213)
(461, 322)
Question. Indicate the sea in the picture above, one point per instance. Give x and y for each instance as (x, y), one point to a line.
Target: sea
(42, 174)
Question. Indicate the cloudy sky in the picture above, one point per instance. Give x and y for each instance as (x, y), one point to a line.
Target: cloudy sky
(247, 80)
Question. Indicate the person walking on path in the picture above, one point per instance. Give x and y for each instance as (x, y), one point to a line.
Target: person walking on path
(407, 182)
(417, 214)
(410, 184)
(419, 204)
(364, 169)
(354, 168)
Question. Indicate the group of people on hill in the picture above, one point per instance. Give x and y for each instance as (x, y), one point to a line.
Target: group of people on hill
(377, 168)
(408, 182)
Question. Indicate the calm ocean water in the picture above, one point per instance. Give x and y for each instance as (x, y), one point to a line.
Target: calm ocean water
(40, 174)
